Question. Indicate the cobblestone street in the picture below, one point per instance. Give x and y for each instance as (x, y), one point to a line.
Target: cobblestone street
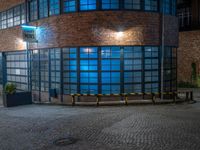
(156, 127)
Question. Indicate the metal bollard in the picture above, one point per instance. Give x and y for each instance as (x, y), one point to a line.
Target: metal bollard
(97, 100)
(153, 98)
(73, 100)
(126, 100)
(174, 97)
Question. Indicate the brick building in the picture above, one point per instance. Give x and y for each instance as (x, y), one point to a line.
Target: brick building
(88, 46)
(189, 39)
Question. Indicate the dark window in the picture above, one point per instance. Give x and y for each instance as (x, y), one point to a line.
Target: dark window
(132, 4)
(151, 5)
(166, 6)
(174, 5)
(87, 4)
(54, 7)
(43, 8)
(69, 6)
(110, 4)
(33, 10)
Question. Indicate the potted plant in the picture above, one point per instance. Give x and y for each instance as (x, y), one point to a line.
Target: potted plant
(13, 98)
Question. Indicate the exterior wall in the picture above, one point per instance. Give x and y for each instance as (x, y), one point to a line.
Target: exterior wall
(188, 53)
(6, 4)
(95, 28)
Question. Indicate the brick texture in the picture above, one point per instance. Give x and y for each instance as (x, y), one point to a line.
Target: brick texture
(95, 28)
(188, 53)
(6, 4)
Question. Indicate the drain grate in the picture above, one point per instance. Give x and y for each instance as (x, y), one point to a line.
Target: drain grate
(65, 141)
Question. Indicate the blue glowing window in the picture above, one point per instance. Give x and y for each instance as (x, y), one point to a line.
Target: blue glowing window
(88, 65)
(166, 6)
(87, 4)
(151, 5)
(88, 52)
(89, 77)
(69, 5)
(132, 64)
(89, 89)
(33, 10)
(110, 77)
(110, 89)
(151, 51)
(43, 8)
(132, 4)
(54, 7)
(110, 4)
(110, 52)
(110, 65)
(151, 64)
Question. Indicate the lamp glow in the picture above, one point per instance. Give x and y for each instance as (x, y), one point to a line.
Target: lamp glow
(119, 34)
(28, 27)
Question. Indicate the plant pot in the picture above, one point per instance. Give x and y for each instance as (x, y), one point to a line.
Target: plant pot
(16, 99)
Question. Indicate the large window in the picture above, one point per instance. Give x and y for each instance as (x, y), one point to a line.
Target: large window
(17, 15)
(166, 6)
(132, 69)
(69, 6)
(3, 20)
(54, 7)
(70, 70)
(132, 4)
(89, 70)
(10, 18)
(110, 4)
(110, 66)
(151, 67)
(33, 10)
(17, 69)
(55, 56)
(43, 8)
(151, 5)
(87, 4)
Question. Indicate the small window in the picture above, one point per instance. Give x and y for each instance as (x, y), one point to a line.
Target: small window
(54, 7)
(69, 6)
(87, 5)
(43, 8)
(151, 5)
(132, 4)
(10, 18)
(17, 13)
(33, 10)
(110, 4)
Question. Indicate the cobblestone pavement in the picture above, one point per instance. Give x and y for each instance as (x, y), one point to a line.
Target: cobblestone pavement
(149, 127)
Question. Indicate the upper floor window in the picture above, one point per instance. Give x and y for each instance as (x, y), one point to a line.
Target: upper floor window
(33, 10)
(10, 18)
(23, 13)
(166, 6)
(132, 4)
(87, 4)
(69, 5)
(54, 7)
(174, 5)
(17, 13)
(110, 4)
(151, 5)
(3, 20)
(43, 8)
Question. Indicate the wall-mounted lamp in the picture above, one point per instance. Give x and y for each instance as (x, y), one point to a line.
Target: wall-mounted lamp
(119, 34)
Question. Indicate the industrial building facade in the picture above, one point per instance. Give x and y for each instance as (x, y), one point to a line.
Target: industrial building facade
(89, 47)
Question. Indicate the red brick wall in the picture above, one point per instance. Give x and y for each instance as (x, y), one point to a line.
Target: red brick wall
(95, 28)
(188, 53)
(6, 4)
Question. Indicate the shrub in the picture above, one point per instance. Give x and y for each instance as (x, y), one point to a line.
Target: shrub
(10, 88)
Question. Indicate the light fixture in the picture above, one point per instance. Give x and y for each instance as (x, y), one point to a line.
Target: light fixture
(119, 34)
(28, 27)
